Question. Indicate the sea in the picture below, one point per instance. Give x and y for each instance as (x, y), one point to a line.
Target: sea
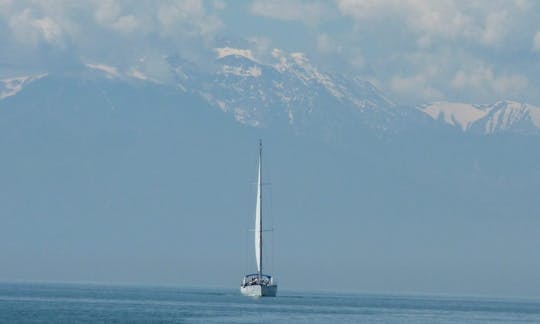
(91, 303)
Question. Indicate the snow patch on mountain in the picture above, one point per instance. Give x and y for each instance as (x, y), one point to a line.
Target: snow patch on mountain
(110, 71)
(290, 115)
(510, 114)
(244, 116)
(281, 56)
(456, 114)
(503, 116)
(298, 64)
(228, 51)
(139, 75)
(506, 116)
(11, 86)
(534, 113)
(252, 71)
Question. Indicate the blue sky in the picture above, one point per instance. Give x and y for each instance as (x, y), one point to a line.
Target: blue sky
(418, 51)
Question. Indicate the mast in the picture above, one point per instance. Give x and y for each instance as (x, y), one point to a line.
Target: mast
(260, 211)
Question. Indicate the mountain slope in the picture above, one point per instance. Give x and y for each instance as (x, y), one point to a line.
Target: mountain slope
(289, 92)
(501, 117)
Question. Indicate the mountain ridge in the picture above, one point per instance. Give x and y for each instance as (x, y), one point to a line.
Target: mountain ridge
(502, 116)
(290, 91)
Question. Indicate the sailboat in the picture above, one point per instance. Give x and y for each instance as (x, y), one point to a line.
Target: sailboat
(259, 284)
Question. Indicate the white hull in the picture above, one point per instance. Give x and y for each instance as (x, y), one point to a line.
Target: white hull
(259, 290)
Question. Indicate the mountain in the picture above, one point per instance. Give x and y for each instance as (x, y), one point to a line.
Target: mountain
(287, 91)
(500, 117)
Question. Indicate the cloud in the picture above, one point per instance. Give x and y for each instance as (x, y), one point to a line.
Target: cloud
(495, 28)
(425, 50)
(33, 30)
(219, 4)
(418, 49)
(54, 19)
(327, 45)
(417, 87)
(358, 61)
(189, 17)
(483, 79)
(115, 32)
(308, 12)
(536, 42)
(109, 14)
(261, 47)
(455, 75)
(363, 9)
(486, 23)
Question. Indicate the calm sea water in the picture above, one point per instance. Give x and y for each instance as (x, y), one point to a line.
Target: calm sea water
(70, 303)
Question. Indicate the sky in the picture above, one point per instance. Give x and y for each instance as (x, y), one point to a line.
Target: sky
(416, 50)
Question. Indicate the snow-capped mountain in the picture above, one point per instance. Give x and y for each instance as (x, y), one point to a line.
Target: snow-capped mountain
(503, 116)
(286, 90)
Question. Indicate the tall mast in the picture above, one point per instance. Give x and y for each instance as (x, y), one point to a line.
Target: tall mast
(260, 210)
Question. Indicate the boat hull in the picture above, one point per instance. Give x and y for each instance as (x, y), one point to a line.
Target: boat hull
(259, 290)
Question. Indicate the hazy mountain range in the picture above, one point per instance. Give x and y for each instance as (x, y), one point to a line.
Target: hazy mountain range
(289, 91)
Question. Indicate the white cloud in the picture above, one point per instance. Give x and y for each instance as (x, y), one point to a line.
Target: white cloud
(364, 9)
(118, 32)
(358, 61)
(262, 46)
(308, 12)
(5, 6)
(32, 30)
(438, 19)
(484, 80)
(226, 51)
(48, 28)
(188, 17)
(219, 4)
(416, 87)
(487, 23)
(419, 49)
(327, 45)
(495, 28)
(536, 42)
(430, 50)
(109, 14)
(56, 20)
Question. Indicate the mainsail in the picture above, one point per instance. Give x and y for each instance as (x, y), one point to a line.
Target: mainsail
(258, 217)
(258, 284)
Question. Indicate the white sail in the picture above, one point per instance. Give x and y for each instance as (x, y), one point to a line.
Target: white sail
(258, 229)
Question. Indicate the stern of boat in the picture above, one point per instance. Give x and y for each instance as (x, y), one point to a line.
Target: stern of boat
(255, 287)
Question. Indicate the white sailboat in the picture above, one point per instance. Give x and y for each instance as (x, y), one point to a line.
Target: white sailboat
(259, 284)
